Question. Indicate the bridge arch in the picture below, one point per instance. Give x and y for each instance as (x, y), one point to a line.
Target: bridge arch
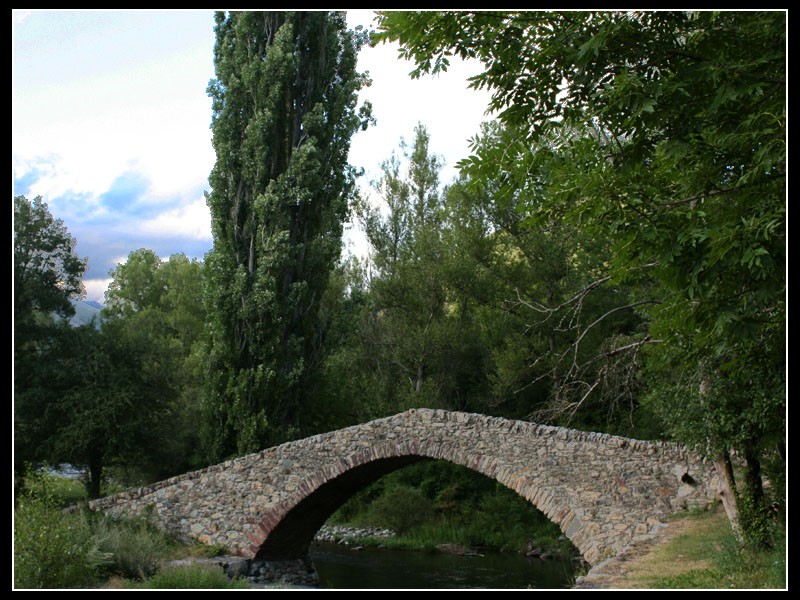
(601, 490)
(288, 530)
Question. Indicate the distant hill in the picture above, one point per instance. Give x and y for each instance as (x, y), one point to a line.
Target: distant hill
(95, 304)
(85, 312)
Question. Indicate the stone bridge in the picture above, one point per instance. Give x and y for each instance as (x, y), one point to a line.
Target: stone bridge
(601, 490)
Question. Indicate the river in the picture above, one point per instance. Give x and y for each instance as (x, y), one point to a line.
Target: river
(341, 567)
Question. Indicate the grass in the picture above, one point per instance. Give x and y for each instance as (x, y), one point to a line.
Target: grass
(64, 490)
(192, 577)
(706, 555)
(136, 546)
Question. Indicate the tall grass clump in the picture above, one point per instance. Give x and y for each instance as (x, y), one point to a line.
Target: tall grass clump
(136, 547)
(751, 565)
(192, 577)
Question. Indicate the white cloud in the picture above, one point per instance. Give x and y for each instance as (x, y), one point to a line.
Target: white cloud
(191, 221)
(103, 95)
(115, 113)
(118, 260)
(451, 112)
(96, 288)
(168, 143)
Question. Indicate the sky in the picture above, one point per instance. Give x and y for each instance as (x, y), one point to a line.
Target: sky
(111, 126)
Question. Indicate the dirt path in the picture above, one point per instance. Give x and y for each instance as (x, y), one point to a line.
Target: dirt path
(643, 561)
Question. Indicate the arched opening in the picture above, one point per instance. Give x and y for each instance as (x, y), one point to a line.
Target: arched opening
(457, 496)
(438, 502)
(291, 537)
(458, 529)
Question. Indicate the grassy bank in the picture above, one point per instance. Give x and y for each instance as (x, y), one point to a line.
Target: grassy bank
(699, 551)
(55, 550)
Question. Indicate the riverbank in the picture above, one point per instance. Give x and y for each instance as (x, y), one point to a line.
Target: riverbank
(695, 551)
(340, 534)
(437, 540)
(352, 558)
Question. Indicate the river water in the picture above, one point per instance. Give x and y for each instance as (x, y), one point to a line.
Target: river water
(341, 567)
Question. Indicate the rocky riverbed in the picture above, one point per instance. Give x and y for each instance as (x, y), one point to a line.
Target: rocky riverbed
(301, 572)
(348, 535)
(289, 573)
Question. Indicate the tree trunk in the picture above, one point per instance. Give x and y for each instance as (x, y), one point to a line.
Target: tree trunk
(95, 477)
(726, 486)
(726, 489)
(755, 487)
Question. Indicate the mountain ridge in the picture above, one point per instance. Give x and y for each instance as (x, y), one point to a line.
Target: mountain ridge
(85, 313)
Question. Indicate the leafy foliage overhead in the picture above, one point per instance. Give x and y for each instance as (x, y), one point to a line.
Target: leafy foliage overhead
(664, 133)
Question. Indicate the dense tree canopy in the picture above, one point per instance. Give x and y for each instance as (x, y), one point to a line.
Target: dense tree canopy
(109, 398)
(440, 314)
(160, 305)
(683, 157)
(120, 394)
(47, 274)
(663, 132)
(410, 297)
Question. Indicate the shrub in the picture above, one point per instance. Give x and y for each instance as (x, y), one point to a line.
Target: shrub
(401, 508)
(520, 522)
(193, 577)
(135, 545)
(758, 523)
(52, 549)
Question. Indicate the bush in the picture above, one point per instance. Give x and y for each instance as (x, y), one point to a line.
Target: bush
(52, 549)
(193, 577)
(135, 545)
(758, 523)
(518, 521)
(401, 508)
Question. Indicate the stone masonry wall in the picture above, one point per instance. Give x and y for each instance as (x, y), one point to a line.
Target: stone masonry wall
(601, 490)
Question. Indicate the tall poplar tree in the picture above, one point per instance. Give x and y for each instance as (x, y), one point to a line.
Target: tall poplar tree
(284, 110)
